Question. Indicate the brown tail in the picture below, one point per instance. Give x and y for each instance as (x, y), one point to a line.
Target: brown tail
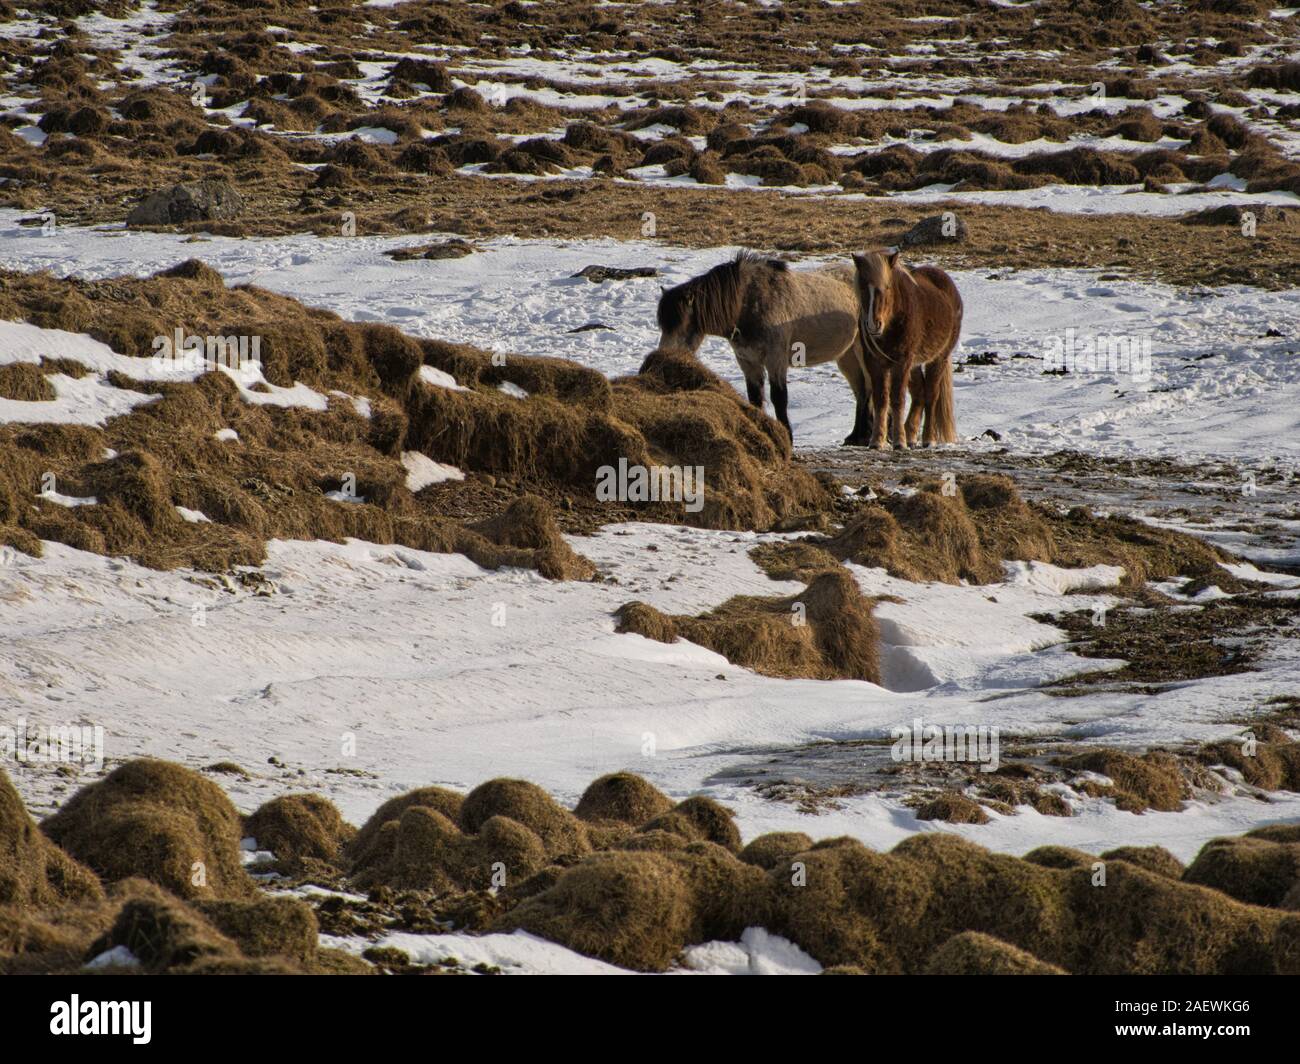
(940, 413)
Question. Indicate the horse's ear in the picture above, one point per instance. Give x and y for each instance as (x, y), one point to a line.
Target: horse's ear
(893, 257)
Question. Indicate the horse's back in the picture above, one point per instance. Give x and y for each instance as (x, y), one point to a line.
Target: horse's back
(940, 282)
(827, 288)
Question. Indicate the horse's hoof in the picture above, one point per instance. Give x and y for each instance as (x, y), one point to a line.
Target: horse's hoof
(855, 441)
(880, 446)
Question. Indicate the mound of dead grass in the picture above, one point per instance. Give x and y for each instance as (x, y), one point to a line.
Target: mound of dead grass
(972, 953)
(561, 832)
(952, 807)
(434, 840)
(1271, 766)
(529, 524)
(33, 871)
(698, 819)
(639, 909)
(623, 797)
(775, 849)
(157, 821)
(362, 847)
(25, 382)
(1256, 870)
(424, 850)
(265, 926)
(301, 829)
(1152, 781)
(1155, 859)
(825, 632)
(161, 932)
(792, 560)
(966, 530)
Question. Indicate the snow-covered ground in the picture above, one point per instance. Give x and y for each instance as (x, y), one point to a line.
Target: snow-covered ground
(1218, 385)
(397, 650)
(376, 669)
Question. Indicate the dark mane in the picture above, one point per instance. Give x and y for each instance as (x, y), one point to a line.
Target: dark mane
(713, 300)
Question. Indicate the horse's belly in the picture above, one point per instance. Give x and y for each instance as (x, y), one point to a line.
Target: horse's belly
(825, 338)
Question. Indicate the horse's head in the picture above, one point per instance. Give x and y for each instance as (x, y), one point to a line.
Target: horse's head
(679, 329)
(877, 291)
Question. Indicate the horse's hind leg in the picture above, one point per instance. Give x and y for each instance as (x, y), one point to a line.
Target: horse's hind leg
(920, 403)
(850, 365)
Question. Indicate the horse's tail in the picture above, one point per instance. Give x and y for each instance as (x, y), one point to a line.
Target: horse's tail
(941, 413)
(939, 385)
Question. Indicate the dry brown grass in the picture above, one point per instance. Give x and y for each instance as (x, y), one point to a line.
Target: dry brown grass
(825, 632)
(623, 797)
(972, 953)
(158, 821)
(1251, 869)
(1152, 781)
(274, 480)
(935, 903)
(33, 871)
(301, 829)
(25, 382)
(967, 533)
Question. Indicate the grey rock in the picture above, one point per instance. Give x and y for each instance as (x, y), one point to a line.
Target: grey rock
(945, 228)
(193, 201)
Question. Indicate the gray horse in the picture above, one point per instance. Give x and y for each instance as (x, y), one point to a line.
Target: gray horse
(774, 318)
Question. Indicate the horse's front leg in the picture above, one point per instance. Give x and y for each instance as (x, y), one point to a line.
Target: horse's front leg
(880, 381)
(752, 368)
(781, 398)
(920, 403)
(899, 377)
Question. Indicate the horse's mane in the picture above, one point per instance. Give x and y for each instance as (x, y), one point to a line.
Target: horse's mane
(718, 294)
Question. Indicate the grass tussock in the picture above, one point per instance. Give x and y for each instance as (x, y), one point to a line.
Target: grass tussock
(1151, 781)
(623, 797)
(952, 807)
(1253, 869)
(33, 871)
(1155, 859)
(639, 909)
(826, 632)
(935, 903)
(301, 830)
(501, 833)
(965, 530)
(25, 382)
(157, 821)
(256, 936)
(972, 953)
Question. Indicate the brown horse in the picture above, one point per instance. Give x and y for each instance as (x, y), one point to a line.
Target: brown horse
(910, 321)
(774, 318)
